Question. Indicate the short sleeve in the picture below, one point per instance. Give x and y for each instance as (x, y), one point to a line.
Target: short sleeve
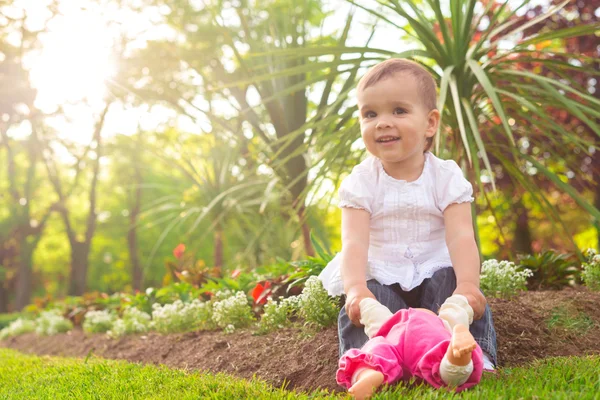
(356, 192)
(451, 186)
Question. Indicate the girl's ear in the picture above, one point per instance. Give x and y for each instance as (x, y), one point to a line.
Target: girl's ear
(433, 121)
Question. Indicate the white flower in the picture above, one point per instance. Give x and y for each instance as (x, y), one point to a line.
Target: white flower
(98, 321)
(503, 278)
(52, 322)
(16, 328)
(234, 310)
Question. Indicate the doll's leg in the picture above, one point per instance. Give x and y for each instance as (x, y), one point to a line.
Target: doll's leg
(367, 381)
(457, 365)
(438, 288)
(354, 337)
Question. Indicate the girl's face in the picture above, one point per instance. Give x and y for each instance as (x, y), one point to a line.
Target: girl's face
(394, 122)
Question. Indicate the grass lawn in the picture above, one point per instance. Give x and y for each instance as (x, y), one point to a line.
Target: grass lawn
(31, 377)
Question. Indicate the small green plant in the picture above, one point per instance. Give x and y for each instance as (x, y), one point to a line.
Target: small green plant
(591, 270)
(52, 322)
(316, 306)
(16, 328)
(503, 278)
(180, 316)
(232, 312)
(133, 321)
(277, 315)
(551, 270)
(570, 319)
(98, 321)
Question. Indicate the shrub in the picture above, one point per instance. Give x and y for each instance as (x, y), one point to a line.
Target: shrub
(551, 270)
(51, 323)
(16, 328)
(133, 321)
(503, 278)
(277, 315)
(98, 321)
(591, 270)
(316, 306)
(232, 312)
(180, 316)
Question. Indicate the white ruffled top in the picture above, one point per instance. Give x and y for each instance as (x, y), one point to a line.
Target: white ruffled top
(407, 235)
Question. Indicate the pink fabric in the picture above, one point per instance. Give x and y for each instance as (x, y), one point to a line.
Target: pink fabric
(411, 343)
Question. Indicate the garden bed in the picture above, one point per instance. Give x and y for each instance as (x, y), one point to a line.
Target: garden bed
(531, 326)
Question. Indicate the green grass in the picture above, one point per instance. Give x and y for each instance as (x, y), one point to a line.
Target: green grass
(570, 319)
(31, 377)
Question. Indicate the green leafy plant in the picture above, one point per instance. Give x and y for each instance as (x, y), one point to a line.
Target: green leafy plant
(233, 312)
(277, 315)
(551, 270)
(17, 327)
(133, 321)
(99, 321)
(591, 270)
(180, 316)
(52, 322)
(316, 306)
(502, 278)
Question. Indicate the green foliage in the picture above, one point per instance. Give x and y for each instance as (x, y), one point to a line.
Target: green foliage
(181, 317)
(99, 321)
(570, 319)
(591, 270)
(315, 305)
(52, 322)
(7, 319)
(277, 315)
(133, 321)
(232, 312)
(17, 327)
(502, 278)
(551, 270)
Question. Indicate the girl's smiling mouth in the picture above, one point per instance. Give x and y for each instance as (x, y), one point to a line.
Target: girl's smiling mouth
(387, 139)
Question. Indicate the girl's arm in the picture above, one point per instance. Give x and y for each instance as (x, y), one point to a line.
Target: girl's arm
(464, 254)
(355, 249)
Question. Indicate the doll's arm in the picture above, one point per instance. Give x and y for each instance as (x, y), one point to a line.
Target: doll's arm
(456, 310)
(373, 315)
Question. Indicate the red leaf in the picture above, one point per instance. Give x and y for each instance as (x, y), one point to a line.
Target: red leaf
(179, 250)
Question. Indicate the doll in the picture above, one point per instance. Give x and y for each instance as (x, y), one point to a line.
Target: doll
(414, 342)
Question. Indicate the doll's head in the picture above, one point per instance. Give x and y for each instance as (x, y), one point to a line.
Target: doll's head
(397, 105)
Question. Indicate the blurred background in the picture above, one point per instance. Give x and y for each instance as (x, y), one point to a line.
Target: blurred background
(134, 131)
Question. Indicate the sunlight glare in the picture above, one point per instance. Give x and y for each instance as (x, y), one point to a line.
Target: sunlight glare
(75, 59)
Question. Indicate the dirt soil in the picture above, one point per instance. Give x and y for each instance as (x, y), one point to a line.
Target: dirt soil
(309, 361)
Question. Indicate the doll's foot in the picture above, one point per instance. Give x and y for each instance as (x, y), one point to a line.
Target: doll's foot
(461, 345)
(367, 382)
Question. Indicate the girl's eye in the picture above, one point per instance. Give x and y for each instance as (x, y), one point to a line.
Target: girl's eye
(370, 114)
(399, 110)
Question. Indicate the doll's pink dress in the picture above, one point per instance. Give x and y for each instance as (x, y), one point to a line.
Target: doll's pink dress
(411, 343)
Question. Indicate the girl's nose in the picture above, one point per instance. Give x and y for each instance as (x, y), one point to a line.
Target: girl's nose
(382, 124)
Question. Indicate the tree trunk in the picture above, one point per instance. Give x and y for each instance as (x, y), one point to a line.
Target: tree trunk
(308, 247)
(137, 273)
(25, 277)
(522, 239)
(79, 267)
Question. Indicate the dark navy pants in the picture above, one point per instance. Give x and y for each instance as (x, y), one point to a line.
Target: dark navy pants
(431, 294)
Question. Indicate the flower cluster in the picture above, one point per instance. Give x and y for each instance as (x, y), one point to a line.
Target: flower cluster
(133, 321)
(591, 270)
(16, 328)
(98, 321)
(233, 312)
(179, 316)
(503, 278)
(315, 304)
(51, 323)
(276, 315)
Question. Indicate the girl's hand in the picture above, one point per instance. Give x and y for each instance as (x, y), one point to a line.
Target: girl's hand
(353, 298)
(474, 296)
